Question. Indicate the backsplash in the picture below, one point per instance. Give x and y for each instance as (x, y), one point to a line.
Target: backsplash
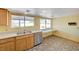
(7, 29)
(3, 28)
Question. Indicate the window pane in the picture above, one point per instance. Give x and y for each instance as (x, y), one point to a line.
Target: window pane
(29, 21)
(21, 23)
(15, 23)
(48, 23)
(42, 24)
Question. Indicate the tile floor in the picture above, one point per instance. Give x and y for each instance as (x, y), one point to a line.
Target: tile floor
(55, 43)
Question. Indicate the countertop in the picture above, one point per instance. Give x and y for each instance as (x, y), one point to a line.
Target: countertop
(4, 35)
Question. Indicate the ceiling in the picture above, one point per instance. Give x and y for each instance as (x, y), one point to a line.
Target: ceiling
(46, 12)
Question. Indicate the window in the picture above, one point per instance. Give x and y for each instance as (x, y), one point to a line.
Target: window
(20, 21)
(29, 21)
(45, 24)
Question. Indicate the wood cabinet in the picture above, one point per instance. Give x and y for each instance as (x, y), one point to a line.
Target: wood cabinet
(18, 43)
(21, 43)
(30, 41)
(4, 17)
(7, 44)
(24, 42)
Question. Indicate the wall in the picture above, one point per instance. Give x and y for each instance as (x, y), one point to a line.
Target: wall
(3, 28)
(64, 30)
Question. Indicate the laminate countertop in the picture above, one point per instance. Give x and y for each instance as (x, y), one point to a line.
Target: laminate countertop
(4, 35)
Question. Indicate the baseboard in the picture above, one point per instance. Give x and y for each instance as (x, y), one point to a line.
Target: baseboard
(47, 36)
(66, 35)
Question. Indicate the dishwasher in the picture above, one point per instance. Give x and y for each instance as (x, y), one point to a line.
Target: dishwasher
(37, 38)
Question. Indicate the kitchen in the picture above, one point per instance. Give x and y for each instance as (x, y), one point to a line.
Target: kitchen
(16, 36)
(22, 29)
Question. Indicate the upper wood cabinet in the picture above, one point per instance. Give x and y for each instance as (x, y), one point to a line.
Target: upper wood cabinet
(4, 17)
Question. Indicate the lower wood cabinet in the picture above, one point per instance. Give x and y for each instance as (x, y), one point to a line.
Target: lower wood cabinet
(20, 43)
(24, 42)
(30, 41)
(7, 44)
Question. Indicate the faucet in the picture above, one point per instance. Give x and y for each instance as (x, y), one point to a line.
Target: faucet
(24, 31)
(17, 32)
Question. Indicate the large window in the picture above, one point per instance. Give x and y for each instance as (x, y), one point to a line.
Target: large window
(21, 21)
(45, 24)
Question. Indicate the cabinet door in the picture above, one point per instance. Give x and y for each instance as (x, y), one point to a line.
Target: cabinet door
(3, 17)
(7, 44)
(21, 44)
(30, 41)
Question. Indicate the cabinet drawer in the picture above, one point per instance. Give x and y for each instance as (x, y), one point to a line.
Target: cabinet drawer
(21, 44)
(9, 46)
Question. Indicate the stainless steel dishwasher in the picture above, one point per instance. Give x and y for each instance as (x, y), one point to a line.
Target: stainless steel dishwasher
(37, 38)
